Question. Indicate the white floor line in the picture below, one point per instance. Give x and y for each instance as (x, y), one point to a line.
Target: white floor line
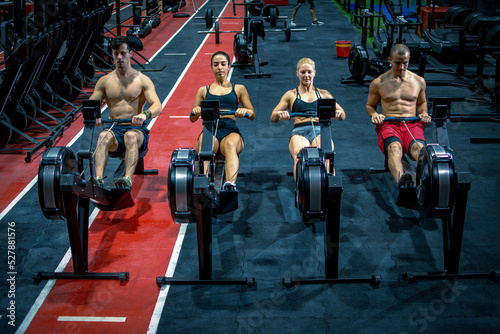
(162, 296)
(92, 319)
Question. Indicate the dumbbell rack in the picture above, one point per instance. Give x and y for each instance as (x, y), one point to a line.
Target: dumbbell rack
(139, 27)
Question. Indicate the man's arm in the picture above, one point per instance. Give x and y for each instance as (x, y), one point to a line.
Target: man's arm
(372, 102)
(153, 100)
(422, 103)
(99, 94)
(155, 106)
(280, 111)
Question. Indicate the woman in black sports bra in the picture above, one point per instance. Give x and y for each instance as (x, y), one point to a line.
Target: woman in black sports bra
(302, 99)
(228, 138)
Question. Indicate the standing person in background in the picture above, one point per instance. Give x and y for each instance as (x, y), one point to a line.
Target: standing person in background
(312, 8)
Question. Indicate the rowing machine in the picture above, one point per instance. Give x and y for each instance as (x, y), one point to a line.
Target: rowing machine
(65, 194)
(318, 197)
(194, 196)
(439, 192)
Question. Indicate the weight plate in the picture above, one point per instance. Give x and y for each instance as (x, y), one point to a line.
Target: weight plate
(473, 22)
(137, 16)
(255, 7)
(273, 17)
(493, 36)
(217, 32)
(288, 30)
(142, 33)
(271, 13)
(457, 14)
(209, 18)
(240, 48)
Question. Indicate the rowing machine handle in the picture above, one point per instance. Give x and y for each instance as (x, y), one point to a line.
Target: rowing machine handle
(226, 113)
(116, 120)
(302, 114)
(401, 119)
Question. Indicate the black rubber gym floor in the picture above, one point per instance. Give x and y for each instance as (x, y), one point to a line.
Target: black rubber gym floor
(265, 238)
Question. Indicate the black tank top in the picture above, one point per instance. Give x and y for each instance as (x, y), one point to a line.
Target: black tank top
(300, 106)
(228, 101)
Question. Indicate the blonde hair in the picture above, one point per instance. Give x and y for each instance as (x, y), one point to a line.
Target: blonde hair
(306, 61)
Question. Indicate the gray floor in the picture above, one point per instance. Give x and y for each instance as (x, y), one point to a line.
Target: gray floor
(265, 239)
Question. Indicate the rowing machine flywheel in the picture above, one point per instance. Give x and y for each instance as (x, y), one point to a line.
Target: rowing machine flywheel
(55, 162)
(358, 61)
(436, 181)
(311, 192)
(181, 184)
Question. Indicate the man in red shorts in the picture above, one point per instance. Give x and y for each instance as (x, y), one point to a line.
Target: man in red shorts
(401, 94)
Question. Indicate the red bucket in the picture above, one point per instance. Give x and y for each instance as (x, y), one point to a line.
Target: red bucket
(343, 48)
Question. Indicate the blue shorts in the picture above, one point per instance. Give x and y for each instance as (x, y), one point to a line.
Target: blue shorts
(119, 132)
(224, 128)
(306, 130)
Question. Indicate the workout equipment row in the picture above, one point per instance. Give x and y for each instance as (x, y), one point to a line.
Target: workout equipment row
(46, 67)
(65, 193)
(269, 13)
(286, 29)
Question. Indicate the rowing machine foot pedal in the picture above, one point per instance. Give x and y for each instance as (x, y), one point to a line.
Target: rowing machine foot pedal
(119, 198)
(407, 197)
(228, 201)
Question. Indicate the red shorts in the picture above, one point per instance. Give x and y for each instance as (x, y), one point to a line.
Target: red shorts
(390, 132)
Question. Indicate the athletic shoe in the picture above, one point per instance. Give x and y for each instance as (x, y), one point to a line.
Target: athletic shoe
(229, 186)
(98, 181)
(405, 179)
(123, 182)
(292, 24)
(317, 23)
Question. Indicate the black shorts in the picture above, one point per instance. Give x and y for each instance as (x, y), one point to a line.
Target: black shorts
(224, 128)
(119, 132)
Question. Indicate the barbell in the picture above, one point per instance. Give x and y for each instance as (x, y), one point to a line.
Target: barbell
(270, 13)
(286, 29)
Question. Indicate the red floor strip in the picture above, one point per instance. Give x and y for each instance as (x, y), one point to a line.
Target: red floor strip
(140, 239)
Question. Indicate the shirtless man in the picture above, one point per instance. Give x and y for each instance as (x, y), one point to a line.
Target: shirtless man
(126, 91)
(401, 93)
